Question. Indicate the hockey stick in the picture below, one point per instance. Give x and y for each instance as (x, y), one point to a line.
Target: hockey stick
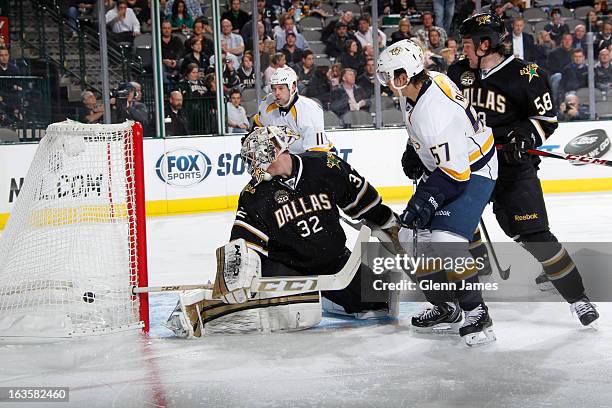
(290, 284)
(571, 157)
(503, 273)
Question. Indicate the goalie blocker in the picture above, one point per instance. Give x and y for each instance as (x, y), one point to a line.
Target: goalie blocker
(288, 224)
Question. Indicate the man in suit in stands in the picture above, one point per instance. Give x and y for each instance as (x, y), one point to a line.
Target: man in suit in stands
(347, 96)
(523, 45)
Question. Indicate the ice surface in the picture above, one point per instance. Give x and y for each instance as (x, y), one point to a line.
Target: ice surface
(543, 357)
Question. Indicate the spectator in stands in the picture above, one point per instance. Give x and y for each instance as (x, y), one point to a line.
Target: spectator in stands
(336, 43)
(176, 120)
(277, 61)
(195, 55)
(364, 33)
(236, 16)
(522, 44)
(293, 55)
(367, 80)
(403, 32)
(346, 17)
(289, 27)
(575, 75)
(435, 45)
(444, 11)
(211, 85)
(561, 56)
(544, 45)
(556, 27)
(317, 11)
(319, 87)
(194, 8)
(423, 33)
(91, 111)
(592, 22)
(208, 47)
(76, 8)
(295, 10)
(572, 109)
(237, 120)
(500, 7)
(246, 72)
(230, 42)
(601, 8)
(403, 7)
(603, 71)
(351, 57)
(266, 52)
(141, 9)
(172, 50)
(451, 44)
(334, 74)
(305, 70)
(267, 14)
(7, 68)
(180, 17)
(247, 31)
(137, 91)
(580, 38)
(230, 76)
(129, 108)
(192, 85)
(348, 96)
(603, 38)
(368, 51)
(263, 36)
(449, 56)
(123, 22)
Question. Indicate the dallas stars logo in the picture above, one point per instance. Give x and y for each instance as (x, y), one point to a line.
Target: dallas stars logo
(249, 189)
(531, 70)
(486, 19)
(332, 160)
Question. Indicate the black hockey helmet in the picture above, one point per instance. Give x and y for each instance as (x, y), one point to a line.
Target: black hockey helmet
(484, 26)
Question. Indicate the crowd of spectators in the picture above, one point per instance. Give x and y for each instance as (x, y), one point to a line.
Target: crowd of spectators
(337, 68)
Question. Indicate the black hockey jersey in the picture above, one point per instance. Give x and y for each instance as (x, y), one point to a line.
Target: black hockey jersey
(515, 94)
(295, 221)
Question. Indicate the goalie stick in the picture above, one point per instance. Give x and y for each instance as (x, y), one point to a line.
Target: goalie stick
(281, 285)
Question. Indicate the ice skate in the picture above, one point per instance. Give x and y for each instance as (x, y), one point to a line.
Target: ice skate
(477, 327)
(585, 311)
(439, 318)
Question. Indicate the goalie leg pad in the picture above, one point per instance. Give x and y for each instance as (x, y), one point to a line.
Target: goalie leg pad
(237, 265)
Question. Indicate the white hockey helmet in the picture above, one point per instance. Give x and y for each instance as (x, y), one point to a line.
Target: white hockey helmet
(285, 76)
(404, 54)
(262, 146)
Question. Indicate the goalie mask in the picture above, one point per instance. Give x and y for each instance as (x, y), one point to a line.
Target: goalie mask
(405, 55)
(262, 146)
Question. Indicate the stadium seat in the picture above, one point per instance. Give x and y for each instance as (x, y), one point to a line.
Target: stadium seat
(311, 35)
(331, 120)
(513, 13)
(309, 23)
(539, 26)
(322, 61)
(528, 28)
(573, 23)
(250, 94)
(582, 11)
(392, 117)
(604, 109)
(534, 15)
(386, 103)
(8, 136)
(328, 8)
(250, 107)
(143, 41)
(353, 7)
(583, 95)
(566, 13)
(357, 119)
(317, 47)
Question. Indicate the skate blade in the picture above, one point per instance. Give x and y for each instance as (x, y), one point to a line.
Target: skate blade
(480, 338)
(439, 329)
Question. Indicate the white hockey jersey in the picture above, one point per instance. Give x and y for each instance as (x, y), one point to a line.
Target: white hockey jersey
(446, 132)
(304, 117)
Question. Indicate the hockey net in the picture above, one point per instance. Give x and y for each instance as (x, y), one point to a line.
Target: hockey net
(75, 242)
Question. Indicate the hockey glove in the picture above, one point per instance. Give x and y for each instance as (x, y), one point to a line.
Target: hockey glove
(422, 207)
(236, 267)
(412, 164)
(516, 150)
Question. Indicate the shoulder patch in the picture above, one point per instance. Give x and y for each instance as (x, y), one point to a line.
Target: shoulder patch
(249, 189)
(467, 78)
(531, 70)
(332, 160)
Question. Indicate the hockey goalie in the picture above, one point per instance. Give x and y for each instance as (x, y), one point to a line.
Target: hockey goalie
(288, 224)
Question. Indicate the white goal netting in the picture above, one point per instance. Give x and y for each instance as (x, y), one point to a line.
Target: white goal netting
(68, 256)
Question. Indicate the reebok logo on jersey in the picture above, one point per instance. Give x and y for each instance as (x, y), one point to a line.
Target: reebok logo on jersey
(443, 213)
(433, 202)
(526, 217)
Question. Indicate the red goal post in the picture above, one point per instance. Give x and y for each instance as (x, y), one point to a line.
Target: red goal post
(75, 243)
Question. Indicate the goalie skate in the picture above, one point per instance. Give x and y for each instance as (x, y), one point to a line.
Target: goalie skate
(441, 318)
(477, 328)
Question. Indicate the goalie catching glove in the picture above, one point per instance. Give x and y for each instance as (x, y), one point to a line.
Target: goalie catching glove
(237, 265)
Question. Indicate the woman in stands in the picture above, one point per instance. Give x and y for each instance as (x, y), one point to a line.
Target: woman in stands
(403, 32)
(352, 58)
(194, 55)
(180, 18)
